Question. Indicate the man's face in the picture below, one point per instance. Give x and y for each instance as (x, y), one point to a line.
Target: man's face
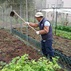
(38, 19)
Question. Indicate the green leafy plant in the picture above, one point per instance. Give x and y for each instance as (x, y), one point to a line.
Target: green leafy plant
(63, 34)
(24, 64)
(64, 28)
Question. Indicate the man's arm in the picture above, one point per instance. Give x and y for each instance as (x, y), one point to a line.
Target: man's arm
(45, 30)
(33, 24)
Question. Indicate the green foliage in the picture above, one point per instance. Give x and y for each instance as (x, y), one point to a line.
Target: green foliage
(63, 34)
(64, 28)
(2, 1)
(24, 64)
(2, 64)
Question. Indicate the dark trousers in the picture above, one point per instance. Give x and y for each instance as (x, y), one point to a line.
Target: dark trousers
(47, 49)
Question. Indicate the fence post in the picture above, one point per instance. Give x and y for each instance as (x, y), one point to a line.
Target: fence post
(27, 19)
(11, 23)
(56, 22)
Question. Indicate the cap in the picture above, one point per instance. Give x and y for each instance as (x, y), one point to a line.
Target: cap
(38, 14)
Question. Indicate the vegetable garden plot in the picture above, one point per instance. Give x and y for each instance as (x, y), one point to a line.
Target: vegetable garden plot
(64, 53)
(64, 59)
(11, 47)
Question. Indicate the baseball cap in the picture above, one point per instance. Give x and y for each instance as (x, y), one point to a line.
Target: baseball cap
(38, 14)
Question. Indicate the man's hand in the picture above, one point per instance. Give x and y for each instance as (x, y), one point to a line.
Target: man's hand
(27, 23)
(37, 32)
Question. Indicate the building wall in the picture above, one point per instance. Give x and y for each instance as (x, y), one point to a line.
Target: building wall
(54, 3)
(67, 3)
(39, 4)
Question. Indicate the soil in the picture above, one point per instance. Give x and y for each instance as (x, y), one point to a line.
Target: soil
(59, 43)
(10, 47)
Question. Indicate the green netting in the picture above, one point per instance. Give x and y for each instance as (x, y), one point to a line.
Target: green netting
(63, 58)
(32, 41)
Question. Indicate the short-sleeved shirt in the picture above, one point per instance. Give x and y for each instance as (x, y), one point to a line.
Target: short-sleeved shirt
(46, 23)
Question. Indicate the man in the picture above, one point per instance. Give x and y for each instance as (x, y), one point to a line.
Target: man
(46, 34)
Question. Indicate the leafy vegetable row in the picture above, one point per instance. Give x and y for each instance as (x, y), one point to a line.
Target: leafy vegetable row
(63, 34)
(64, 28)
(24, 64)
